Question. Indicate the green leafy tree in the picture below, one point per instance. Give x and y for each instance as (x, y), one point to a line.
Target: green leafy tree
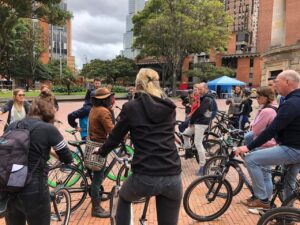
(110, 70)
(173, 29)
(207, 71)
(66, 77)
(20, 42)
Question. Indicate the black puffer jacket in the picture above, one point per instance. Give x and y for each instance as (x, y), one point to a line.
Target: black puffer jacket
(203, 114)
(150, 121)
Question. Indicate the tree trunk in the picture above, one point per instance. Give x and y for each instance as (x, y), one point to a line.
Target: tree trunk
(174, 76)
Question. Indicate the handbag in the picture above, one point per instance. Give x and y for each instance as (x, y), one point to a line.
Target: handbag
(93, 161)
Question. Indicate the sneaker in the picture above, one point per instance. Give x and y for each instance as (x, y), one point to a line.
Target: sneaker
(200, 172)
(257, 203)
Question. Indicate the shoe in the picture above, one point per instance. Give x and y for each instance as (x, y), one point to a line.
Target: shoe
(200, 172)
(188, 153)
(98, 211)
(257, 203)
(250, 199)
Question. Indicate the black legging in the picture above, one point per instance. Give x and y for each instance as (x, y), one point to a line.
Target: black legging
(166, 189)
(32, 205)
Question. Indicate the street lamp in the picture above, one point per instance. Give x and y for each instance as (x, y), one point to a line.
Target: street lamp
(60, 53)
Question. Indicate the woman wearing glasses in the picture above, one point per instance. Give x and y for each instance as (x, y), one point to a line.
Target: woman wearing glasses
(17, 107)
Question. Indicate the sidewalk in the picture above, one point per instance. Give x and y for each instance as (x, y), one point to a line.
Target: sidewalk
(237, 214)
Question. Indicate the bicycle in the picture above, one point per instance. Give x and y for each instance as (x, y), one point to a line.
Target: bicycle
(281, 216)
(216, 189)
(179, 142)
(74, 177)
(61, 205)
(60, 201)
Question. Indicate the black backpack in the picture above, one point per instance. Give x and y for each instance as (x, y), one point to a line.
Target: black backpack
(14, 150)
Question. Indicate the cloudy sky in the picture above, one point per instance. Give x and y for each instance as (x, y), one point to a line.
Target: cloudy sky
(98, 27)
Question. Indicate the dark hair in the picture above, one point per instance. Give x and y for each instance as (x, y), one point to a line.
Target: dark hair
(97, 79)
(266, 92)
(102, 102)
(42, 109)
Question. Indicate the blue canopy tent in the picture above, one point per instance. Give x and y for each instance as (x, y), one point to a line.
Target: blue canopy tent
(224, 85)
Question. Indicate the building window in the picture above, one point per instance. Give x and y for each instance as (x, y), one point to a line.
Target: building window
(250, 75)
(251, 62)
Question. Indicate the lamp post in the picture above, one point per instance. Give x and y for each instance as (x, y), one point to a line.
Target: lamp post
(60, 54)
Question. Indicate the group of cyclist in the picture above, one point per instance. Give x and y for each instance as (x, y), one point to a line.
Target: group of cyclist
(150, 118)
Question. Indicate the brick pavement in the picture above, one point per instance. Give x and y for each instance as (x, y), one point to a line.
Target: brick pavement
(237, 214)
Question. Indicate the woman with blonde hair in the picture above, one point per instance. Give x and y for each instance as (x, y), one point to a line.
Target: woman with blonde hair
(156, 167)
(17, 107)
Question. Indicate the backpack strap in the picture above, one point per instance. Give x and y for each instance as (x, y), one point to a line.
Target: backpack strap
(272, 107)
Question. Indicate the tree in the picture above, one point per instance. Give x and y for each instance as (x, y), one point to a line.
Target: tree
(122, 67)
(173, 29)
(207, 71)
(20, 42)
(67, 77)
(110, 70)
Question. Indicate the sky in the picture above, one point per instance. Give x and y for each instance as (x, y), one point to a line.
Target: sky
(97, 29)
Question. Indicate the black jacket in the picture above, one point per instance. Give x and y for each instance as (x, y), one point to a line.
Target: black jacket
(151, 123)
(203, 114)
(285, 128)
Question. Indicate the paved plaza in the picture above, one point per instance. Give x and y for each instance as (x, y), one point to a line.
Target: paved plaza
(237, 214)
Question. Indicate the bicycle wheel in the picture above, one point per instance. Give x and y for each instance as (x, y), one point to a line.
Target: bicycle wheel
(113, 173)
(73, 179)
(212, 147)
(205, 204)
(61, 206)
(281, 216)
(215, 166)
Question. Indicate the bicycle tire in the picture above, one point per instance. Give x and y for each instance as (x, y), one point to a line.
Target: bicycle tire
(200, 197)
(112, 175)
(282, 215)
(212, 147)
(212, 167)
(72, 178)
(61, 206)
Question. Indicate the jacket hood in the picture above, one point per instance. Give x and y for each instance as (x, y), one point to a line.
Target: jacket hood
(157, 109)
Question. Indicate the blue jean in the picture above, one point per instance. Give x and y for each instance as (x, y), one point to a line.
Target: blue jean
(166, 189)
(277, 155)
(248, 138)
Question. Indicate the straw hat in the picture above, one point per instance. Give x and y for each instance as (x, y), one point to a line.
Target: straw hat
(102, 93)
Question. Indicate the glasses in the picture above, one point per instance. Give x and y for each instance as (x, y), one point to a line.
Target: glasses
(21, 95)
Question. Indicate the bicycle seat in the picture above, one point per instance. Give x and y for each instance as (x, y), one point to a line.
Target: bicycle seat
(77, 143)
